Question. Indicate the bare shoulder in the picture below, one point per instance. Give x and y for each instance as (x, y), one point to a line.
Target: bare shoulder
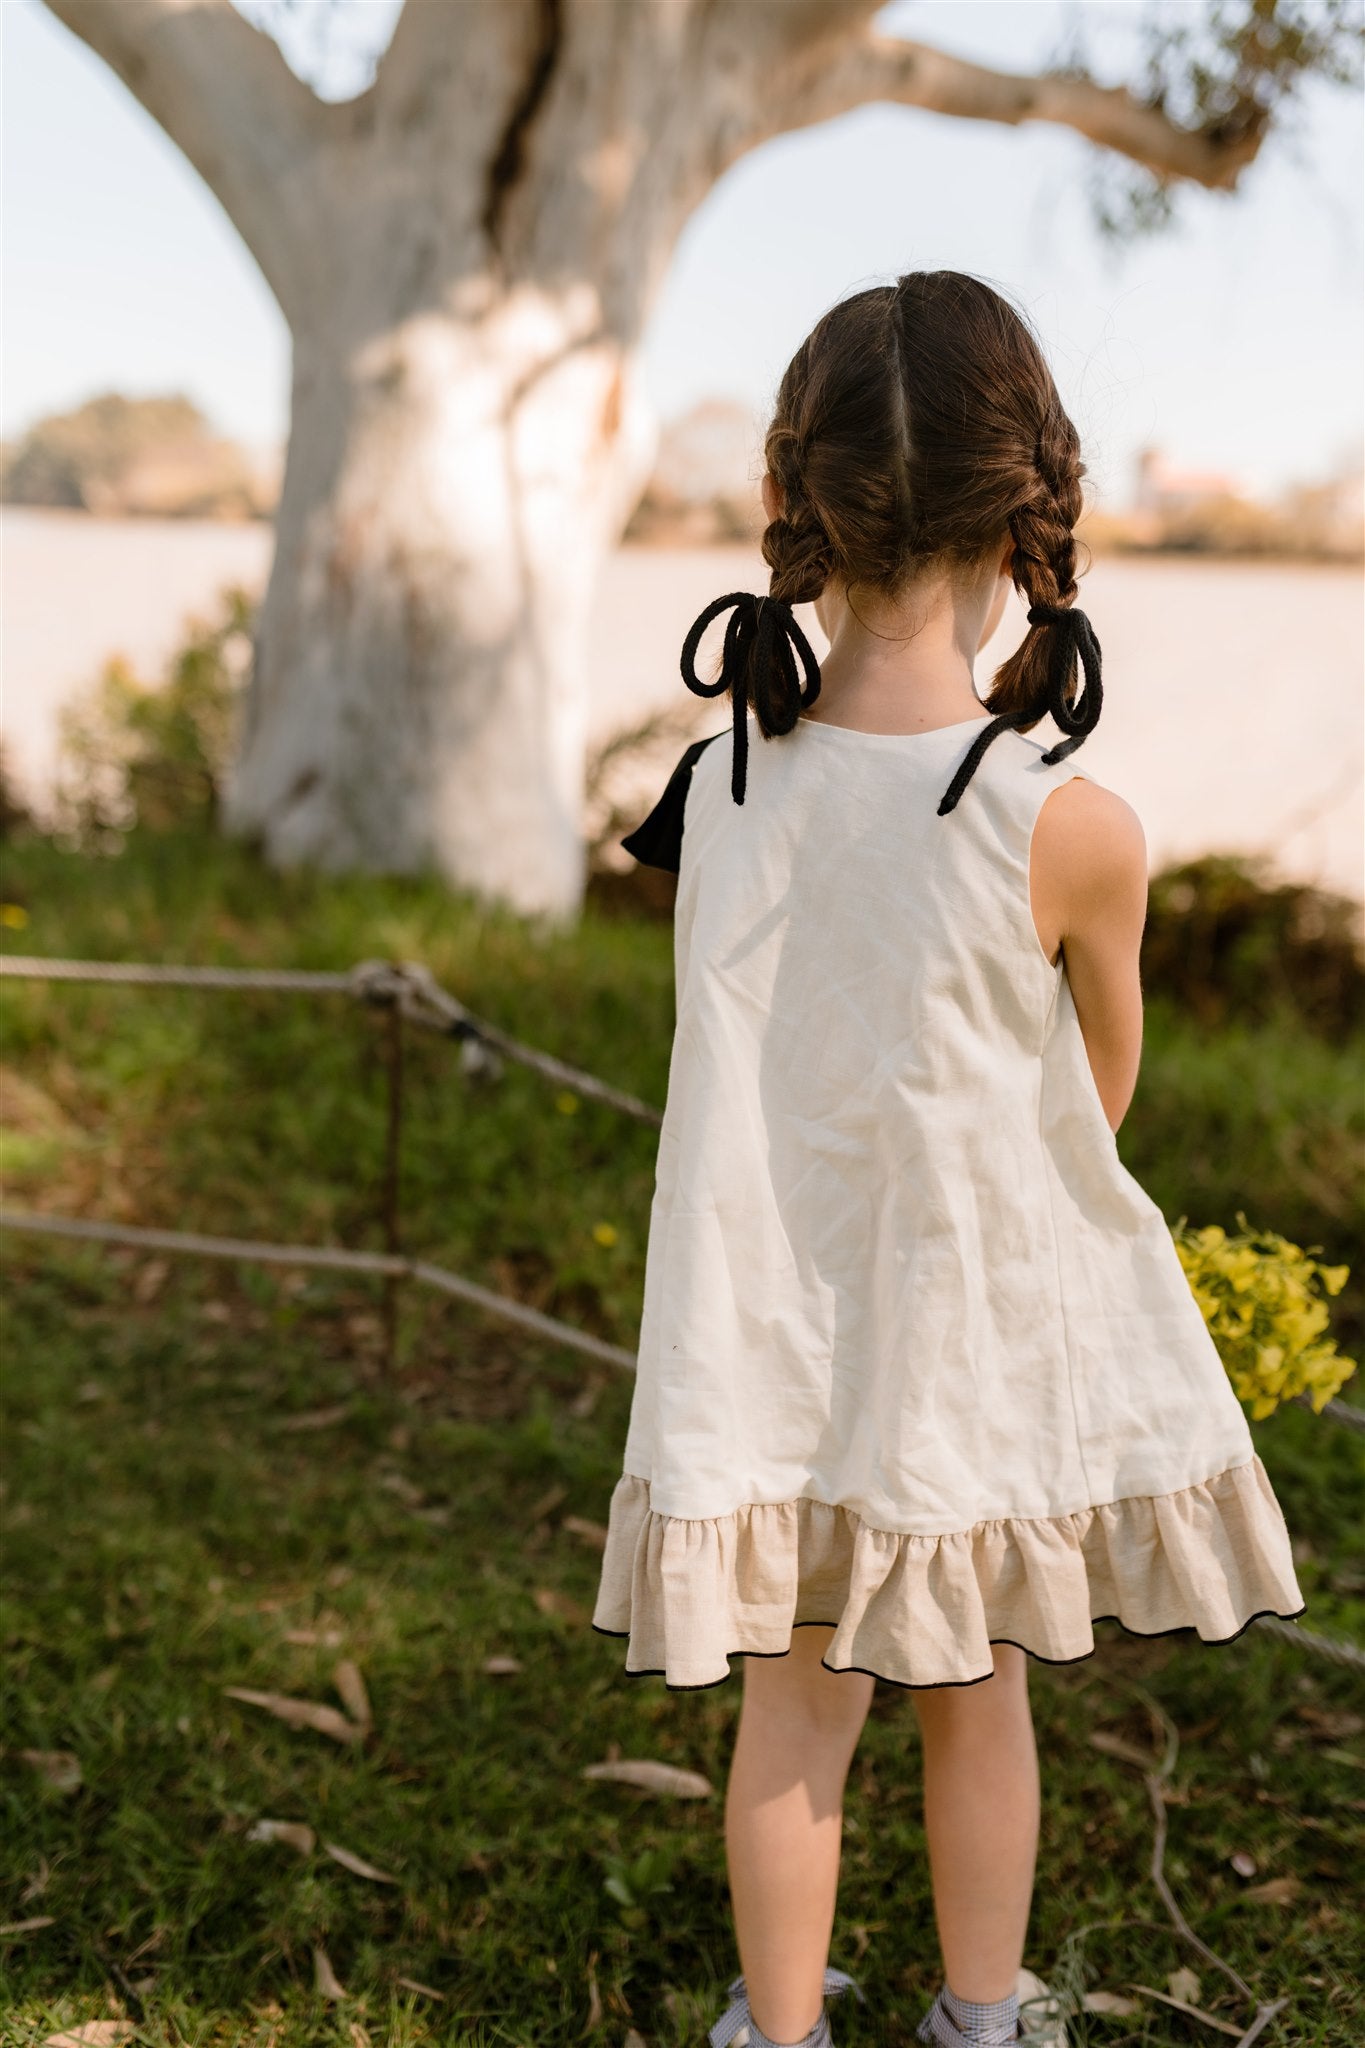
(1082, 823)
(1089, 852)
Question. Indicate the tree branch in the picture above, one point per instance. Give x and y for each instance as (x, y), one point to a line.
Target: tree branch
(224, 95)
(826, 80)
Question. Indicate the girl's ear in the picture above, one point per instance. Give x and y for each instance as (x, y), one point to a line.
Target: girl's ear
(772, 496)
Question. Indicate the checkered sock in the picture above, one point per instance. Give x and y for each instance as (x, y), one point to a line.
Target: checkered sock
(951, 2021)
(818, 2037)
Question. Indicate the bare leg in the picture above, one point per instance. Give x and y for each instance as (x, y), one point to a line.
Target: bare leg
(981, 1803)
(798, 1728)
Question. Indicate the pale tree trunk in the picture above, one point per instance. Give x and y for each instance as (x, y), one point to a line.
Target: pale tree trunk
(420, 695)
(466, 255)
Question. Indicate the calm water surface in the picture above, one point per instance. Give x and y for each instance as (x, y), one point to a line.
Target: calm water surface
(1234, 710)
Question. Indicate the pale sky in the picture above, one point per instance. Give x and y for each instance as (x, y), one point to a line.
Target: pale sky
(1233, 340)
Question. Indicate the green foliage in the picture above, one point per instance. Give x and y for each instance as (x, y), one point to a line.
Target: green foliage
(1228, 943)
(638, 1882)
(154, 755)
(1265, 1302)
(172, 1530)
(1226, 71)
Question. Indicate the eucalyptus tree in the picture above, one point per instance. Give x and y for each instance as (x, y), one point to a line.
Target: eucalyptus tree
(466, 252)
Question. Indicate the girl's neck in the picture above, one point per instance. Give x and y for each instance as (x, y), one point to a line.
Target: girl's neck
(906, 664)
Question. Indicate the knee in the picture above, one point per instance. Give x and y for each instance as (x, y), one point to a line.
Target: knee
(799, 1691)
(946, 1712)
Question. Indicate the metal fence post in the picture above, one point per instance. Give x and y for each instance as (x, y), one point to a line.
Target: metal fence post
(392, 1175)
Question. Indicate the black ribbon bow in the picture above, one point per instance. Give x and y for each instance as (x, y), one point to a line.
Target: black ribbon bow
(768, 626)
(1073, 640)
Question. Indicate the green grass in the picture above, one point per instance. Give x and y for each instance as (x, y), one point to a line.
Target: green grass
(168, 1533)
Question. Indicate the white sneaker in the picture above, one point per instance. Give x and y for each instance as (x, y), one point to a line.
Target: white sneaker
(1041, 2020)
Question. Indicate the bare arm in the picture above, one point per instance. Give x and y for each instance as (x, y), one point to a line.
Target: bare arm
(1089, 889)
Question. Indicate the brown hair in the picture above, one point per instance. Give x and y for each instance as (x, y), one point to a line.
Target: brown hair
(918, 422)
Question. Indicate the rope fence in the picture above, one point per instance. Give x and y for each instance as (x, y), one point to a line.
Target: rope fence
(410, 994)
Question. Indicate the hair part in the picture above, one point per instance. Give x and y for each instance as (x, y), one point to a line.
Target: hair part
(918, 424)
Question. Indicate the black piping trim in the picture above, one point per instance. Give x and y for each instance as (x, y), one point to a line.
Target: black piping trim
(942, 1684)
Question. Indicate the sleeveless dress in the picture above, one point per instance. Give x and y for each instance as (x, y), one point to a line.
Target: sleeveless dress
(917, 1356)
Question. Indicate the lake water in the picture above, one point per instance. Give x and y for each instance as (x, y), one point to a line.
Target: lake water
(1234, 708)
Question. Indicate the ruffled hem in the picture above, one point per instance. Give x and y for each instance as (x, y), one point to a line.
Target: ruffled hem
(923, 1611)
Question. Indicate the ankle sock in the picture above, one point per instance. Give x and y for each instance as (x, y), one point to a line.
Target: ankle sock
(952, 2022)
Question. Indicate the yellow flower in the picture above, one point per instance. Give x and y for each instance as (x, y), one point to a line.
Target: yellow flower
(13, 916)
(604, 1233)
(566, 1102)
(1263, 1301)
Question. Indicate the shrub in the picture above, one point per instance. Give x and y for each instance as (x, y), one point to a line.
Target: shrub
(154, 755)
(1263, 1300)
(1224, 939)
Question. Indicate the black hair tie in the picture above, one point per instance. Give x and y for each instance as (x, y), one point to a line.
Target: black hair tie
(767, 624)
(1073, 640)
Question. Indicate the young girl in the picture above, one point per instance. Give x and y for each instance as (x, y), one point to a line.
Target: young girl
(922, 1387)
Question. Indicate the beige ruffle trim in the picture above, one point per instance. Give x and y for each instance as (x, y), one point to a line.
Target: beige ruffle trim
(924, 1610)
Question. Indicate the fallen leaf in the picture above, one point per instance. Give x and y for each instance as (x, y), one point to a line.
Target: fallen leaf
(653, 1777)
(1244, 1865)
(325, 1981)
(93, 2034)
(633, 2040)
(351, 1686)
(402, 1488)
(422, 1990)
(1336, 1725)
(1221, 2026)
(312, 1714)
(594, 2018)
(357, 1864)
(314, 1638)
(1276, 1891)
(559, 1606)
(586, 1399)
(59, 1767)
(150, 1280)
(295, 1834)
(1111, 2002)
(1126, 1752)
(39, 1921)
(1183, 1984)
(316, 1418)
(591, 1532)
(501, 1667)
(359, 2038)
(547, 1503)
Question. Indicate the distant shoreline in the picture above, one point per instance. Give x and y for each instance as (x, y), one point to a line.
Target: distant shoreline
(693, 531)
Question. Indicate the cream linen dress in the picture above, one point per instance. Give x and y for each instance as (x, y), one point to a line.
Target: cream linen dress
(917, 1356)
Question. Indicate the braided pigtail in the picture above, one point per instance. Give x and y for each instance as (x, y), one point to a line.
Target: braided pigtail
(1041, 676)
(799, 553)
(1044, 568)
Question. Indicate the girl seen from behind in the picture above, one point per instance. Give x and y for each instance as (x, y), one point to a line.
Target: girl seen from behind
(922, 1389)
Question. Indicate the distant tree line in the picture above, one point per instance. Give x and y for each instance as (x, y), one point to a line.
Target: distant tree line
(119, 457)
